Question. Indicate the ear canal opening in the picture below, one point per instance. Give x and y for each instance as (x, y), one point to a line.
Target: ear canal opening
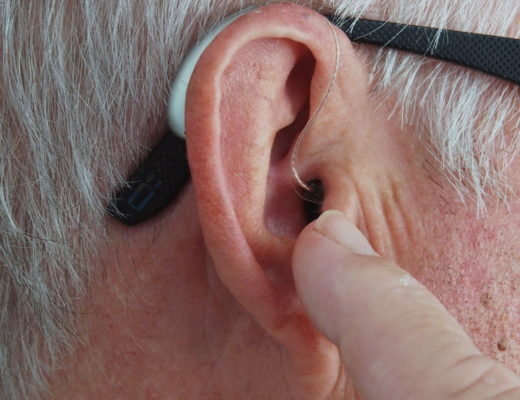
(313, 202)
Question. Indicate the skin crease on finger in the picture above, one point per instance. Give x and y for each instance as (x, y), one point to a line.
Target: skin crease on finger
(159, 321)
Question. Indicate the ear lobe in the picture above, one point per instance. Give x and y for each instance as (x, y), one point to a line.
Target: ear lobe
(248, 98)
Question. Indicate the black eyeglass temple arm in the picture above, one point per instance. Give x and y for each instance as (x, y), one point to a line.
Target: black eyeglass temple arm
(494, 55)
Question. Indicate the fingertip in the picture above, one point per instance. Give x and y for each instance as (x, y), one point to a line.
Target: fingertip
(337, 227)
(317, 265)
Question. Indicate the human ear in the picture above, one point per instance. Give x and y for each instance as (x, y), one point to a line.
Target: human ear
(250, 95)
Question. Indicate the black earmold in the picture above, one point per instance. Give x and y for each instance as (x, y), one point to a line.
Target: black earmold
(314, 200)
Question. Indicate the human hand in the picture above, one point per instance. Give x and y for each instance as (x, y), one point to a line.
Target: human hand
(396, 339)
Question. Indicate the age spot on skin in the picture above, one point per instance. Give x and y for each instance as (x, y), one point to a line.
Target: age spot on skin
(485, 299)
(502, 345)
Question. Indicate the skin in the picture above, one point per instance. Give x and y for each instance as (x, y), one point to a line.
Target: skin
(201, 300)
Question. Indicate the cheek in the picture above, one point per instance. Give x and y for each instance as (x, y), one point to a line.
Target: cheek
(473, 267)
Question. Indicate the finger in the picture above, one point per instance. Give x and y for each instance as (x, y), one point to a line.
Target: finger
(396, 339)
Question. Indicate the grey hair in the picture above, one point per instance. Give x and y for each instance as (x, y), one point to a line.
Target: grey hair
(84, 83)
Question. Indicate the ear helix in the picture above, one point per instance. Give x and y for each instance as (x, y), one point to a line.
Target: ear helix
(161, 177)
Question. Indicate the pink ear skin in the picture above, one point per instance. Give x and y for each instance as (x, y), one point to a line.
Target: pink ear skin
(249, 97)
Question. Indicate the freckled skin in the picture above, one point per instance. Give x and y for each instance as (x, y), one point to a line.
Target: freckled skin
(479, 286)
(471, 263)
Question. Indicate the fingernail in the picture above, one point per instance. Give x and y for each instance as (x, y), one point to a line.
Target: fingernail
(335, 226)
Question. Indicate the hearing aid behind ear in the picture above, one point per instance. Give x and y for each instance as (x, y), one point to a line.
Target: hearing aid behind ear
(177, 101)
(164, 173)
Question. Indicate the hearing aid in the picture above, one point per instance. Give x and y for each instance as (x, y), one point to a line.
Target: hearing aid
(177, 101)
(161, 177)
